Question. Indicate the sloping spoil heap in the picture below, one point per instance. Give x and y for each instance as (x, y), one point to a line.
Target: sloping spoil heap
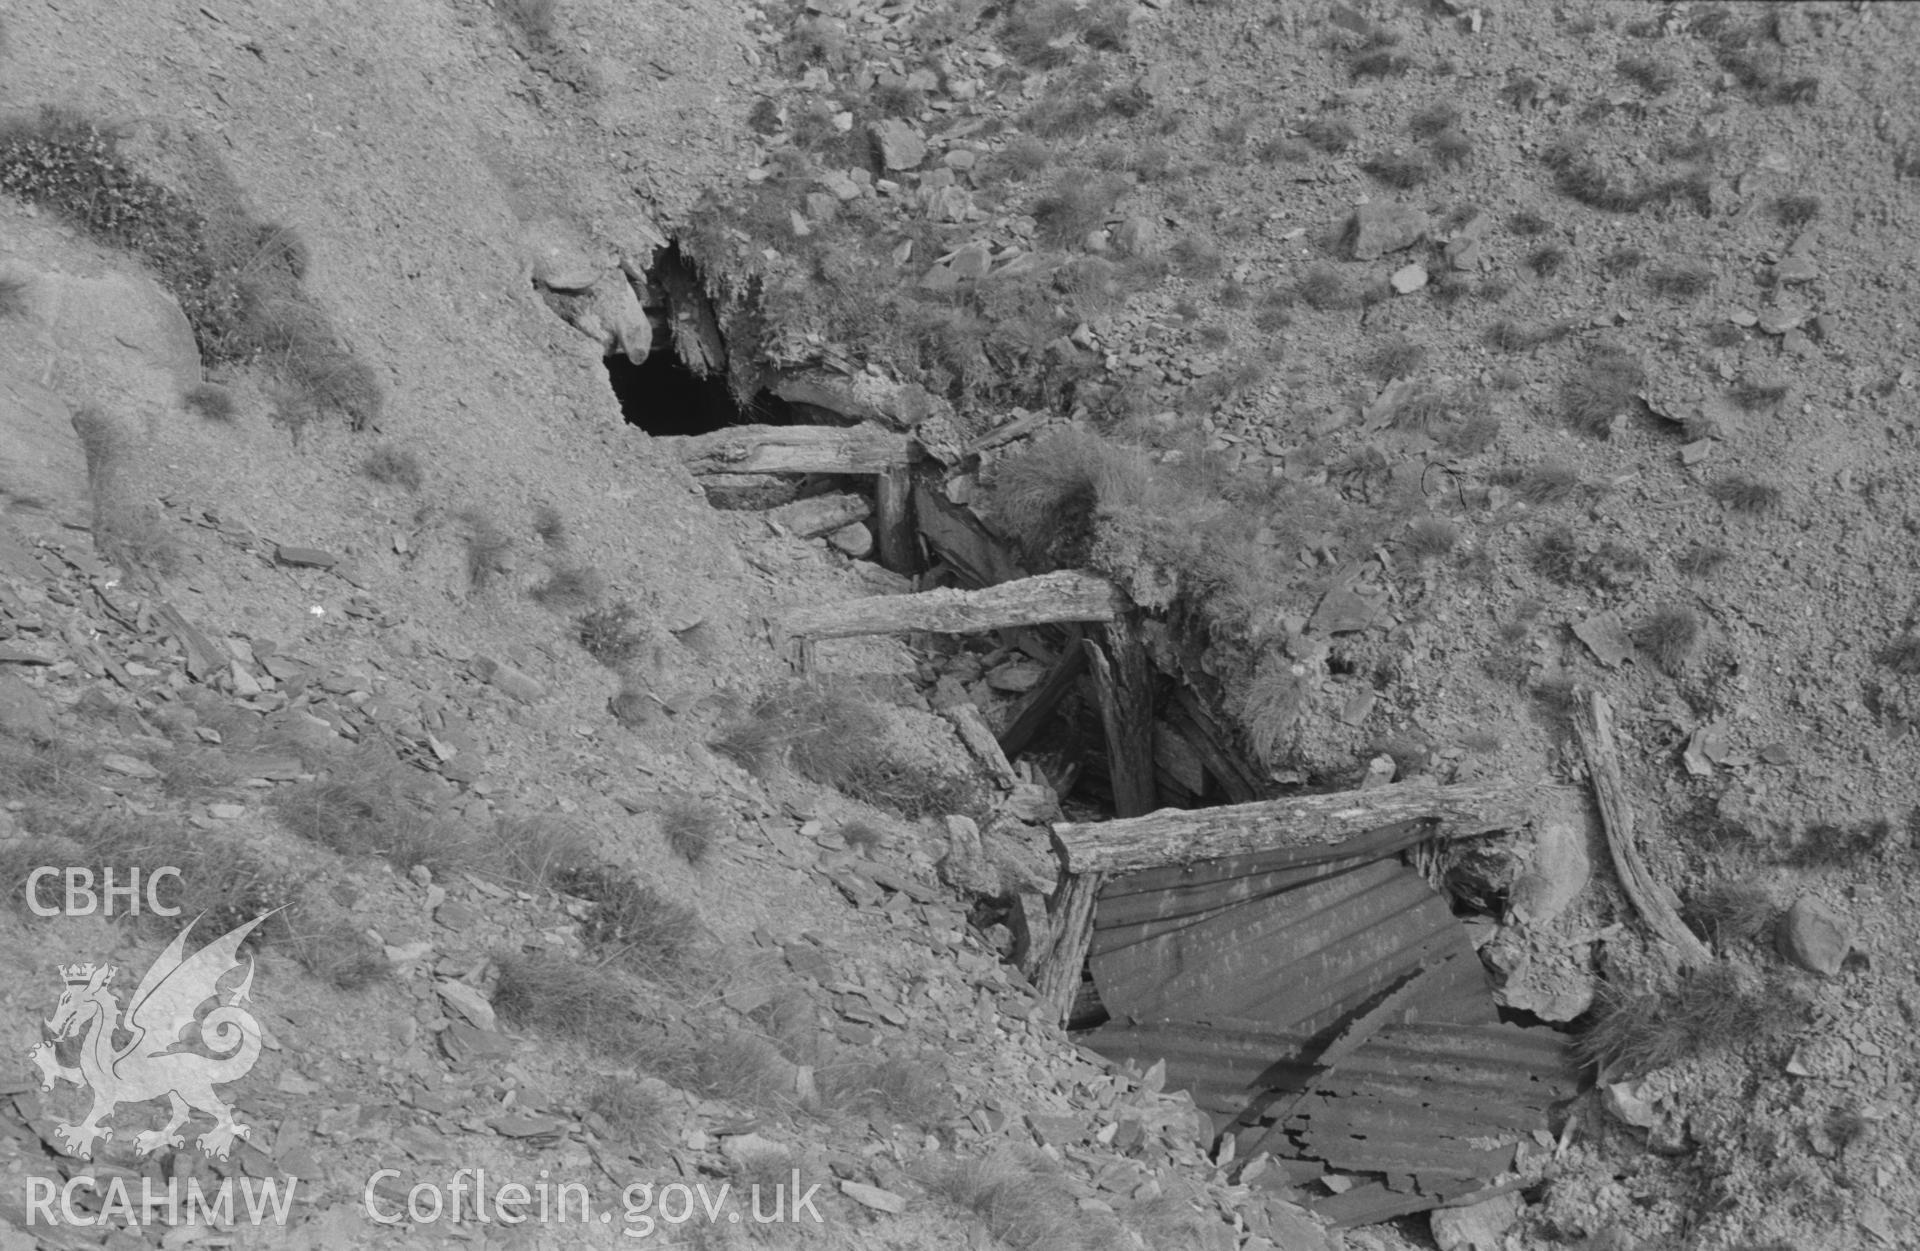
(1325, 1005)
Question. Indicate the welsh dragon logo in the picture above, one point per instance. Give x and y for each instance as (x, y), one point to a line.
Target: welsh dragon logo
(155, 1060)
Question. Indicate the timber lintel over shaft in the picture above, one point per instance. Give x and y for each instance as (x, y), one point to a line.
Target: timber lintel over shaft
(1042, 600)
(1180, 836)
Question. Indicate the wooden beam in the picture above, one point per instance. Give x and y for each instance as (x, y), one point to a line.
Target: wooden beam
(1038, 704)
(821, 514)
(1238, 781)
(893, 492)
(1123, 678)
(1071, 914)
(1064, 596)
(792, 449)
(958, 537)
(1649, 898)
(1171, 836)
(979, 739)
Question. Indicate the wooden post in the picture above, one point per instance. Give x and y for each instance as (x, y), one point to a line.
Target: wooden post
(1173, 836)
(1125, 683)
(1240, 783)
(1072, 922)
(893, 492)
(1050, 597)
(1650, 899)
(820, 514)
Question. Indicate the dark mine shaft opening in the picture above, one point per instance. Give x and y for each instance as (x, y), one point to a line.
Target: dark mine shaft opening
(664, 397)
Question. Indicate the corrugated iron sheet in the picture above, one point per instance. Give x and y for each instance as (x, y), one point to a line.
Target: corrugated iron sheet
(1300, 958)
(1247, 976)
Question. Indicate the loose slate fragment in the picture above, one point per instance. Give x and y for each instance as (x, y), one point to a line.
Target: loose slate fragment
(307, 557)
(1606, 638)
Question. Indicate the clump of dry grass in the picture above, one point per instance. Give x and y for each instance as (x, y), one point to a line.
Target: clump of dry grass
(211, 401)
(690, 826)
(1656, 77)
(540, 850)
(1797, 209)
(1547, 260)
(1600, 390)
(649, 932)
(1728, 910)
(124, 530)
(488, 548)
(1050, 497)
(1903, 654)
(633, 1108)
(1702, 560)
(1022, 1200)
(16, 296)
(1332, 135)
(1401, 170)
(1669, 634)
(394, 465)
(550, 524)
(863, 836)
(1746, 495)
(1433, 120)
(368, 803)
(1431, 538)
(1630, 1035)
(1398, 357)
(562, 995)
(1757, 397)
(569, 588)
(745, 1067)
(610, 633)
(1076, 206)
(905, 1089)
(338, 953)
(1323, 288)
(1549, 482)
(1683, 282)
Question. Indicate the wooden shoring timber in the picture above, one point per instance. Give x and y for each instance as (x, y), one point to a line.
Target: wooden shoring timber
(821, 514)
(1044, 599)
(893, 499)
(1172, 836)
(866, 449)
(1123, 678)
(1057, 975)
(1649, 898)
(1210, 738)
(957, 537)
(1038, 704)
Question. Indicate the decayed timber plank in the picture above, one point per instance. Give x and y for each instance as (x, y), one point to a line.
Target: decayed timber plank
(975, 733)
(1049, 597)
(793, 449)
(1124, 680)
(893, 494)
(1039, 703)
(1173, 836)
(957, 537)
(1058, 975)
(1650, 899)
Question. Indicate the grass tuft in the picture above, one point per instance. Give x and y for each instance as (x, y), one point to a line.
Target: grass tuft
(1600, 390)
(1022, 1199)
(1702, 560)
(16, 296)
(213, 402)
(1451, 149)
(561, 995)
(609, 633)
(1796, 210)
(487, 546)
(394, 465)
(1075, 207)
(1399, 357)
(1681, 282)
(1051, 497)
(1548, 260)
(549, 525)
(1746, 495)
(570, 588)
(1434, 120)
(1332, 135)
(649, 932)
(1718, 1007)
(1902, 655)
(1431, 538)
(338, 953)
(904, 1090)
(1549, 482)
(691, 826)
(1670, 635)
(1757, 397)
(1323, 288)
(1654, 76)
(1730, 911)
(1403, 170)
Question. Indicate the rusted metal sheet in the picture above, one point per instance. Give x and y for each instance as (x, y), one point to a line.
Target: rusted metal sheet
(1333, 989)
